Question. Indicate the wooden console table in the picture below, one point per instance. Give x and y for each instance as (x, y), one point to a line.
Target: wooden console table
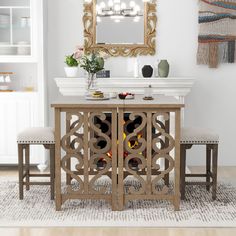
(118, 139)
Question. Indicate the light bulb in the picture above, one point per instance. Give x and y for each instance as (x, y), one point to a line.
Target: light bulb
(110, 3)
(102, 5)
(137, 8)
(123, 6)
(98, 8)
(132, 4)
(117, 7)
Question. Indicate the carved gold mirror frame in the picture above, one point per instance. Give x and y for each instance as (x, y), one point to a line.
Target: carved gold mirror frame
(148, 48)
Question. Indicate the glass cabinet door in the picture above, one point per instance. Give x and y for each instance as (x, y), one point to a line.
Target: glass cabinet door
(5, 31)
(15, 27)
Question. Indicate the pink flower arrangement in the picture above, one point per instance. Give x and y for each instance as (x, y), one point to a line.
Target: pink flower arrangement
(79, 52)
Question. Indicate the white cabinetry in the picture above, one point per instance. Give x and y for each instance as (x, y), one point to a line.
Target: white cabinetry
(19, 21)
(18, 111)
(21, 52)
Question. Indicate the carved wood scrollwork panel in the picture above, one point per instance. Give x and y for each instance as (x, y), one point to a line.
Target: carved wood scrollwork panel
(72, 144)
(140, 137)
(99, 152)
(162, 144)
(148, 144)
(86, 142)
(135, 146)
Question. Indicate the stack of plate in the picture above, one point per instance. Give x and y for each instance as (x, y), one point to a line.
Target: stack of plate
(6, 50)
(23, 50)
(4, 20)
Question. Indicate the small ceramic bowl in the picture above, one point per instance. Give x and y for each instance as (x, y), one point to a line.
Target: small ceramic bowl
(122, 95)
(126, 95)
(130, 96)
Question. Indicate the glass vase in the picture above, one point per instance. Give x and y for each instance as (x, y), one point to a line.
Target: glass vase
(91, 84)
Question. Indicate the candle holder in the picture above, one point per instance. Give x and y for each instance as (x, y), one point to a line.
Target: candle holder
(148, 93)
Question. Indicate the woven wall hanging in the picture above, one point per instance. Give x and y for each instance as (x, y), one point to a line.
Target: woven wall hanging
(217, 32)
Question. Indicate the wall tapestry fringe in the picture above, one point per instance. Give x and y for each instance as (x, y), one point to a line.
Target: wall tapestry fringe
(217, 32)
(213, 55)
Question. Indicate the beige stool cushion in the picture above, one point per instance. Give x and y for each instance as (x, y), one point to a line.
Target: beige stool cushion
(193, 135)
(37, 135)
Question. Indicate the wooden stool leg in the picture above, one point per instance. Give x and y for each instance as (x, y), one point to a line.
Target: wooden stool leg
(68, 162)
(27, 165)
(208, 167)
(20, 170)
(182, 170)
(214, 170)
(52, 170)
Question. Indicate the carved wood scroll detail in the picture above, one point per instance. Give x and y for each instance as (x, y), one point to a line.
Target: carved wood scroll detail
(89, 140)
(136, 153)
(161, 146)
(73, 144)
(98, 153)
(162, 150)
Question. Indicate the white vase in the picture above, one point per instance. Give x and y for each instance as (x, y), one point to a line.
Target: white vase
(71, 72)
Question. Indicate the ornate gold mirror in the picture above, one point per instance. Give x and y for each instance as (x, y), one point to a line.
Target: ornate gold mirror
(120, 27)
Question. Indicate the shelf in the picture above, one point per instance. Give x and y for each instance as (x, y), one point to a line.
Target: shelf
(19, 94)
(179, 86)
(4, 28)
(18, 59)
(14, 7)
(15, 30)
(15, 46)
(16, 27)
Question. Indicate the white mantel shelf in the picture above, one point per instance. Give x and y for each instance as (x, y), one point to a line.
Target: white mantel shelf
(179, 86)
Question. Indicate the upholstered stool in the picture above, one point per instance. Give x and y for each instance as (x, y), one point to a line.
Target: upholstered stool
(198, 136)
(35, 136)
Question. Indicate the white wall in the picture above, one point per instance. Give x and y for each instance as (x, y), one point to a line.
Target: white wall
(212, 101)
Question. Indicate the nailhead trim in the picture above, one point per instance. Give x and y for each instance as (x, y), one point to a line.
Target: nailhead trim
(36, 142)
(199, 142)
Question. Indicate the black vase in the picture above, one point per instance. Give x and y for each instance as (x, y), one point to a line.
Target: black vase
(147, 71)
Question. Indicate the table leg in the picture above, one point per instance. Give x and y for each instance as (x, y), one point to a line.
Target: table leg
(120, 160)
(149, 153)
(114, 160)
(68, 162)
(86, 153)
(58, 158)
(177, 161)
